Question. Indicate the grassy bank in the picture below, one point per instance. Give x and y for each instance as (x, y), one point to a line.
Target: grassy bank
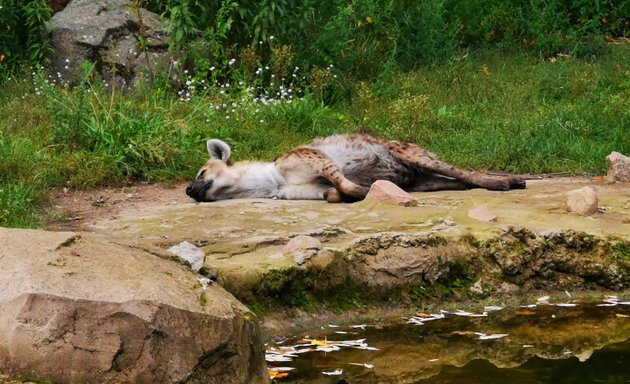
(486, 109)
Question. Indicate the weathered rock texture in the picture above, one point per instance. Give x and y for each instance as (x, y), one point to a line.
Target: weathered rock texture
(76, 308)
(379, 250)
(618, 167)
(107, 33)
(582, 201)
(190, 254)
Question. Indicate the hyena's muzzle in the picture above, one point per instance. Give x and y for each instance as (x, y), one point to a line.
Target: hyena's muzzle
(197, 190)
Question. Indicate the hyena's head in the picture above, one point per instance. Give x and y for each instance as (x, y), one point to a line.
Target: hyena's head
(214, 179)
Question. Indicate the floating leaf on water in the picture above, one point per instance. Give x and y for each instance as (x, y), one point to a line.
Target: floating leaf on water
(336, 372)
(459, 312)
(281, 369)
(277, 375)
(463, 333)
(524, 312)
(493, 336)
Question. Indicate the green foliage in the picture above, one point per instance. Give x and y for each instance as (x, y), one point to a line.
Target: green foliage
(23, 35)
(577, 27)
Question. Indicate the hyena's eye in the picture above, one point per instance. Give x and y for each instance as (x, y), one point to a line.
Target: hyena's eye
(201, 173)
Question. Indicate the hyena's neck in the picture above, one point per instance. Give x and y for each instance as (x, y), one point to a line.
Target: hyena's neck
(256, 180)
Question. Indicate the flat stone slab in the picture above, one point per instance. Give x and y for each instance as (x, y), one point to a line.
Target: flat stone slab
(245, 239)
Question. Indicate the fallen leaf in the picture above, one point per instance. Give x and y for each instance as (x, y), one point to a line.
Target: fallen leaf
(524, 312)
(336, 372)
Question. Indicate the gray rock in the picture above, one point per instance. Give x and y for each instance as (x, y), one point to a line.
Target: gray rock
(76, 308)
(190, 254)
(582, 201)
(618, 167)
(106, 33)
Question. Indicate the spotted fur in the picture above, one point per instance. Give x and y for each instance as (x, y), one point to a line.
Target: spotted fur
(335, 168)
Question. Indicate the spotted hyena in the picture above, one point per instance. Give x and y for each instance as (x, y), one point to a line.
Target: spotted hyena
(335, 168)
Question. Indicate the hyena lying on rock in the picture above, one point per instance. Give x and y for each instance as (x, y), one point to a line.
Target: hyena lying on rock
(336, 168)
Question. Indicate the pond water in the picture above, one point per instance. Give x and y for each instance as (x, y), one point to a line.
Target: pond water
(546, 343)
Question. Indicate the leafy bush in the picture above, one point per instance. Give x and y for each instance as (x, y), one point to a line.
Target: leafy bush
(23, 34)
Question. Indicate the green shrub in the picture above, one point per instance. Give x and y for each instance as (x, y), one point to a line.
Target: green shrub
(23, 35)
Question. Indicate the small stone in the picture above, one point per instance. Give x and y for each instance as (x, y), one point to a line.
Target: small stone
(383, 191)
(618, 167)
(190, 254)
(582, 201)
(477, 288)
(482, 213)
(302, 242)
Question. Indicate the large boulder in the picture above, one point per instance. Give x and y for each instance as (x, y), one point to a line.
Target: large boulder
(76, 308)
(107, 34)
(618, 167)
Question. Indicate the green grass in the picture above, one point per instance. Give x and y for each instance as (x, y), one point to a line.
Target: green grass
(487, 110)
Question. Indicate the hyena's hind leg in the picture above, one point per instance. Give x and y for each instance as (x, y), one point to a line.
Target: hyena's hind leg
(427, 182)
(305, 166)
(428, 162)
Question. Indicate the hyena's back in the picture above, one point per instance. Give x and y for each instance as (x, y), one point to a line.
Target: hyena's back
(364, 159)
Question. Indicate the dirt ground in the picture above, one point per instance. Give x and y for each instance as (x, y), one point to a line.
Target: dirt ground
(72, 209)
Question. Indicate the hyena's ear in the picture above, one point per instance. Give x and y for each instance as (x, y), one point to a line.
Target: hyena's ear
(219, 150)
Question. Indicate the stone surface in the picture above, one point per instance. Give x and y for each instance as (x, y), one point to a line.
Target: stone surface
(190, 254)
(384, 247)
(106, 33)
(302, 242)
(383, 191)
(618, 167)
(482, 213)
(582, 201)
(79, 308)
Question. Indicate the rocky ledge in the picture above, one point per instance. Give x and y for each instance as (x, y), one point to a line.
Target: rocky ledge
(303, 253)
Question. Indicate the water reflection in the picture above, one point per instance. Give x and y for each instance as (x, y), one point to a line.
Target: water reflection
(545, 344)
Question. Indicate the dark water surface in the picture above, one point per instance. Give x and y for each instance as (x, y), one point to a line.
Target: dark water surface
(545, 344)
